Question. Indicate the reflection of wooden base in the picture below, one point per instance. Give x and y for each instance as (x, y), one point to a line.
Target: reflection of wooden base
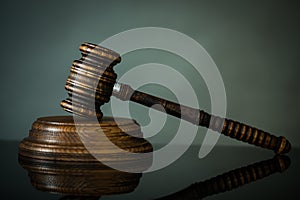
(78, 178)
(58, 160)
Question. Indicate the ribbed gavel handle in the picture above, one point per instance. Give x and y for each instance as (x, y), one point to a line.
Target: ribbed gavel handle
(227, 127)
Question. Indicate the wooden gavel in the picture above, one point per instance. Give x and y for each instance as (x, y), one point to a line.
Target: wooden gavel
(92, 81)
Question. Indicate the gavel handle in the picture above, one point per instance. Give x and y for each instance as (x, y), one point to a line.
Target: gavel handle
(227, 127)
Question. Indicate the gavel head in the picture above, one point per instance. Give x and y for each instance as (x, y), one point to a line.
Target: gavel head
(91, 81)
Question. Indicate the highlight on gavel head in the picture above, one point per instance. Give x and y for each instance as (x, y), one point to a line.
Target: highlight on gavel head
(91, 80)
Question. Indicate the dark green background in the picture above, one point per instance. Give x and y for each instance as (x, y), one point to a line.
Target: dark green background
(255, 45)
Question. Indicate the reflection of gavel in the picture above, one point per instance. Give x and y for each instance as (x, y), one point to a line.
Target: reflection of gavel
(92, 81)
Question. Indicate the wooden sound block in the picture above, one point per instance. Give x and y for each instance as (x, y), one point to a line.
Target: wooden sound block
(57, 138)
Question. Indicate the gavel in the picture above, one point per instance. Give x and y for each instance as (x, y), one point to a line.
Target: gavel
(92, 81)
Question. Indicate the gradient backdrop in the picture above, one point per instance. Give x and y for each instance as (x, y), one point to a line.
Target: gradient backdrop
(255, 45)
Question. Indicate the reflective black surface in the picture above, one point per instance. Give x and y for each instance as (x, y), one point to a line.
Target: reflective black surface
(188, 172)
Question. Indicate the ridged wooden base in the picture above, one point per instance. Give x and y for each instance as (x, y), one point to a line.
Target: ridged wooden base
(57, 138)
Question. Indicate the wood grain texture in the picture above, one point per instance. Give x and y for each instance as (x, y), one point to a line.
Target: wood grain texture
(232, 179)
(91, 82)
(228, 127)
(77, 178)
(99, 52)
(57, 138)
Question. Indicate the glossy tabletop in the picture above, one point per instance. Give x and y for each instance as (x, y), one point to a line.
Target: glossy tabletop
(226, 173)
